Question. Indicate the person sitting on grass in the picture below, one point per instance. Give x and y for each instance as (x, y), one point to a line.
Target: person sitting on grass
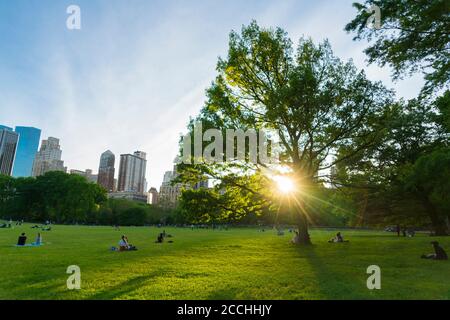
(439, 253)
(22, 240)
(160, 238)
(38, 241)
(338, 239)
(125, 246)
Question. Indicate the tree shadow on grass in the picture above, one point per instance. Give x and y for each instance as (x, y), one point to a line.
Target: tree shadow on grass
(224, 294)
(124, 287)
(136, 283)
(333, 280)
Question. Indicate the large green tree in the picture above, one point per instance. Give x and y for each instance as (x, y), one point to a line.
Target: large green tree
(429, 179)
(414, 36)
(396, 179)
(324, 110)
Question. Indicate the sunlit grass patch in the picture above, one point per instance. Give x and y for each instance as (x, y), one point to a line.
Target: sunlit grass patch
(218, 264)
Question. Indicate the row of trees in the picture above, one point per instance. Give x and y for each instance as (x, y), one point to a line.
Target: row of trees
(349, 144)
(66, 198)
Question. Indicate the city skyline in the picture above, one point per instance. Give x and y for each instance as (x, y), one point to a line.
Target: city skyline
(23, 154)
(125, 84)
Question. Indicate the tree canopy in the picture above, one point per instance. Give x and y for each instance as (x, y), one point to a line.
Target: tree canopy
(324, 110)
(414, 36)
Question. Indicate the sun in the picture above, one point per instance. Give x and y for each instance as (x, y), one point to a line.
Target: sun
(285, 185)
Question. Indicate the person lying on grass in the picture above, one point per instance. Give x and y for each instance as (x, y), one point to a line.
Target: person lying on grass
(22, 240)
(125, 246)
(338, 239)
(439, 253)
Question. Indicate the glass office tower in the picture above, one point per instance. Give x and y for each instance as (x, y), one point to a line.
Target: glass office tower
(26, 150)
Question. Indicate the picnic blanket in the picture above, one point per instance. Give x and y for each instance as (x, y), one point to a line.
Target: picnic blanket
(29, 245)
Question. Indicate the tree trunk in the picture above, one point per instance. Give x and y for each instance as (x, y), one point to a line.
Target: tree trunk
(299, 211)
(439, 225)
(302, 237)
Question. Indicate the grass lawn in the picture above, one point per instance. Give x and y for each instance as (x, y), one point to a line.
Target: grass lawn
(207, 264)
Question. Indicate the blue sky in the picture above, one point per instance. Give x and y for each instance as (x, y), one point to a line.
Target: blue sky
(135, 72)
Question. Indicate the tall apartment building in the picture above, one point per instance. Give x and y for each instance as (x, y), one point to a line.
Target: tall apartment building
(132, 172)
(8, 146)
(106, 171)
(153, 196)
(48, 158)
(26, 151)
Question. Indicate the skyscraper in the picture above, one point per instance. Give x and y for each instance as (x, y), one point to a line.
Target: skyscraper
(167, 176)
(201, 185)
(5, 127)
(8, 147)
(153, 196)
(106, 171)
(87, 174)
(132, 172)
(48, 158)
(26, 151)
(169, 193)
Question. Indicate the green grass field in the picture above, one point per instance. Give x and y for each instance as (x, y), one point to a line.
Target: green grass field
(213, 264)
